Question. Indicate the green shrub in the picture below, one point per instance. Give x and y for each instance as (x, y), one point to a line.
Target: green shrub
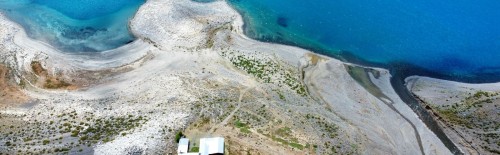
(195, 149)
(46, 141)
(298, 146)
(178, 136)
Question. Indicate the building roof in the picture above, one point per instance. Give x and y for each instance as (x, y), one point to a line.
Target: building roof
(183, 146)
(212, 146)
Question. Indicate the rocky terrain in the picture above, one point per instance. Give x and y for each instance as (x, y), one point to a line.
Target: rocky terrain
(193, 71)
(468, 112)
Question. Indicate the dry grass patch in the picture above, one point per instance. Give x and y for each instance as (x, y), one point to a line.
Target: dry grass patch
(47, 81)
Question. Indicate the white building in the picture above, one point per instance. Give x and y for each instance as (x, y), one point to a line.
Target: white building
(208, 146)
(212, 146)
(183, 146)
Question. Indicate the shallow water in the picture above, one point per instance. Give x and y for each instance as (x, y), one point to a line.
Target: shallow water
(458, 40)
(75, 25)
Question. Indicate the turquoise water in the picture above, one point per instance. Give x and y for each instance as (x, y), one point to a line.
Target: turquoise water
(75, 25)
(457, 39)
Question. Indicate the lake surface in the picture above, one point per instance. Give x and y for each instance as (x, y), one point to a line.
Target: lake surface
(75, 25)
(458, 40)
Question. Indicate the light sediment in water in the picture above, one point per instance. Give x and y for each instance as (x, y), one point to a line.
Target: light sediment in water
(75, 26)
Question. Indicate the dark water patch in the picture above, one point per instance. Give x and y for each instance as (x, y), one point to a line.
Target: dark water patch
(282, 21)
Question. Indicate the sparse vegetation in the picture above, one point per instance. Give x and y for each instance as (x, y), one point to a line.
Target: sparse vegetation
(298, 146)
(472, 115)
(46, 141)
(243, 127)
(73, 134)
(195, 149)
(268, 71)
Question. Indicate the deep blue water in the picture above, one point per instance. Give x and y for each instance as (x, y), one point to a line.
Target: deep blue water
(454, 39)
(75, 25)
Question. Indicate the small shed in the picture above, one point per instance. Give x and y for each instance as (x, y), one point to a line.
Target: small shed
(212, 146)
(183, 146)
